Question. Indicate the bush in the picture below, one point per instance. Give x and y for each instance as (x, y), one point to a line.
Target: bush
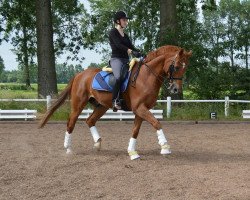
(15, 87)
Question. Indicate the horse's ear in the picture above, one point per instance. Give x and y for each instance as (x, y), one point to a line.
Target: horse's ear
(189, 54)
(181, 52)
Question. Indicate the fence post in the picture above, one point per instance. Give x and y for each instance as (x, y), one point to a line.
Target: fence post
(48, 102)
(26, 114)
(168, 107)
(226, 106)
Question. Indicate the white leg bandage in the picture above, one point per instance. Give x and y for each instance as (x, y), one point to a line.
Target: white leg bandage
(67, 140)
(165, 148)
(94, 133)
(131, 149)
(132, 144)
(161, 137)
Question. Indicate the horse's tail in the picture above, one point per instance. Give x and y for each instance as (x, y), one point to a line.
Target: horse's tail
(60, 100)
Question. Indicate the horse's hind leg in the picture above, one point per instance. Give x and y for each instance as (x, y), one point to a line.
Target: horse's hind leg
(144, 113)
(77, 106)
(132, 142)
(98, 112)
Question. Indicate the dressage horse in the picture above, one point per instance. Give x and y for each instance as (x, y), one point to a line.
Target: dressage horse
(165, 62)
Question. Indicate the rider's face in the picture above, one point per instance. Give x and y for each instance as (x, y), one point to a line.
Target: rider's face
(124, 22)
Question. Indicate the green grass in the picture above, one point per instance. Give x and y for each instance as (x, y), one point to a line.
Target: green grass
(22, 94)
(10, 93)
(201, 111)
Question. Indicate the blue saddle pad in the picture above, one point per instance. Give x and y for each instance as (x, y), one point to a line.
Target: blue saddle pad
(101, 81)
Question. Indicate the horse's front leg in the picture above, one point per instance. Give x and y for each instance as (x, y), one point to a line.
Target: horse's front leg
(132, 142)
(145, 114)
(98, 112)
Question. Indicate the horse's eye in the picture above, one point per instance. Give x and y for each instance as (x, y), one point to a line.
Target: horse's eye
(177, 69)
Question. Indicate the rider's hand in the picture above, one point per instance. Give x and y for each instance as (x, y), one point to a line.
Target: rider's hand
(129, 51)
(136, 54)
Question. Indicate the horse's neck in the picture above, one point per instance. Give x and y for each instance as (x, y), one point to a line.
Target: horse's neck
(156, 65)
(151, 74)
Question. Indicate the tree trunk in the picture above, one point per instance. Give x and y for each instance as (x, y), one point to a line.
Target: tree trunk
(26, 59)
(246, 55)
(168, 22)
(47, 84)
(168, 34)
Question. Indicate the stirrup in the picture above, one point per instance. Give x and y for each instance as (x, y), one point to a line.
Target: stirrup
(116, 106)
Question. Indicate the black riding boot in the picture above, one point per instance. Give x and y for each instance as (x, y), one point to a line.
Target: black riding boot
(116, 96)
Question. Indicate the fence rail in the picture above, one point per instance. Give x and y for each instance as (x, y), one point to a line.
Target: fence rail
(120, 114)
(169, 102)
(18, 114)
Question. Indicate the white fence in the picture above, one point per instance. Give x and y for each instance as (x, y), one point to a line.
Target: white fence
(226, 102)
(120, 114)
(18, 114)
(246, 114)
(169, 102)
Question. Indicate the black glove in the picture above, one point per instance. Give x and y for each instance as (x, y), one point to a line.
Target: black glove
(136, 54)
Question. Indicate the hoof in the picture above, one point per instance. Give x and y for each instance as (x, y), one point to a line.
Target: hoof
(69, 151)
(97, 145)
(165, 149)
(134, 155)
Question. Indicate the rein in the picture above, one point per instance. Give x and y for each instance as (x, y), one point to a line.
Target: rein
(161, 79)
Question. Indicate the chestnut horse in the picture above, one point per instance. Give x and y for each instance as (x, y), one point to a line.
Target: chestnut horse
(166, 61)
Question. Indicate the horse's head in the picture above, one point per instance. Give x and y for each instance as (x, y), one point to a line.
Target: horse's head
(175, 67)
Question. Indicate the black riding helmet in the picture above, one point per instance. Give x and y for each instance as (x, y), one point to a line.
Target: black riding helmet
(120, 15)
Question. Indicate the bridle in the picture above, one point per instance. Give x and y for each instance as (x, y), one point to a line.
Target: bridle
(172, 68)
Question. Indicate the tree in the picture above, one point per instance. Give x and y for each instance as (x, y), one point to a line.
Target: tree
(243, 38)
(168, 22)
(1, 66)
(18, 17)
(213, 39)
(142, 27)
(209, 5)
(18, 23)
(229, 13)
(168, 34)
(47, 84)
(66, 72)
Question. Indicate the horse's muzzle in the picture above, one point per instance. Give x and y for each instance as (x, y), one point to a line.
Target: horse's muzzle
(173, 88)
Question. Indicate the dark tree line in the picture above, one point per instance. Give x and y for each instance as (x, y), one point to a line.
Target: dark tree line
(64, 73)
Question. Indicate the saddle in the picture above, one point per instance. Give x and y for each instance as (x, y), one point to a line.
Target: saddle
(105, 80)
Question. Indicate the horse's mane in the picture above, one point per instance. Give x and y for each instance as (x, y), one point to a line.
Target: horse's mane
(161, 51)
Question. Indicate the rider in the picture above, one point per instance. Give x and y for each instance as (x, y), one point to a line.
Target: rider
(121, 47)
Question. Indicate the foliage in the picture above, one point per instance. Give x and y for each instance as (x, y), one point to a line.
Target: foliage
(66, 72)
(218, 37)
(1, 66)
(142, 27)
(18, 24)
(13, 87)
